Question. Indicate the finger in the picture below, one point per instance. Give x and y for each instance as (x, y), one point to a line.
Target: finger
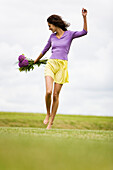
(84, 11)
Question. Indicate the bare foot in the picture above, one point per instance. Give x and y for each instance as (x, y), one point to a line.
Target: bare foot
(46, 119)
(49, 125)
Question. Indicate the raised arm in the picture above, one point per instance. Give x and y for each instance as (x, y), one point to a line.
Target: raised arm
(84, 13)
(76, 34)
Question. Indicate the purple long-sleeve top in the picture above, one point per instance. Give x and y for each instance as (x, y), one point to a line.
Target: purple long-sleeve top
(61, 46)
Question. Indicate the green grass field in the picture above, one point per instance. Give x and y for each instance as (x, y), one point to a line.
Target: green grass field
(73, 143)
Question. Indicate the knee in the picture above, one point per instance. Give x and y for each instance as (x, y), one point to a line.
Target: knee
(48, 93)
(55, 96)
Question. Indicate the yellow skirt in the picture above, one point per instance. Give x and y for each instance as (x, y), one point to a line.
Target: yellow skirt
(58, 70)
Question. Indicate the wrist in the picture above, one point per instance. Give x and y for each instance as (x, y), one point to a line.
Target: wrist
(84, 17)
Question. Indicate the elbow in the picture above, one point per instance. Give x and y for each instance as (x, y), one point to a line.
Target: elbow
(85, 32)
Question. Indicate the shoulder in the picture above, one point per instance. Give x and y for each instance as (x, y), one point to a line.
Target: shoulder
(70, 33)
(52, 35)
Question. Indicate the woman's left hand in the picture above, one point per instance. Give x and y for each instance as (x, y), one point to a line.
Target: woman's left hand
(84, 12)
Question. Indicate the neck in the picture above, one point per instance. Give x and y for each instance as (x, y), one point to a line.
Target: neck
(59, 31)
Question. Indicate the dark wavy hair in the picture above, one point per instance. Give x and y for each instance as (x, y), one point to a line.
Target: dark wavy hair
(57, 21)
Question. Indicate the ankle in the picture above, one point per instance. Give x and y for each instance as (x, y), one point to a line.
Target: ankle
(51, 122)
(48, 114)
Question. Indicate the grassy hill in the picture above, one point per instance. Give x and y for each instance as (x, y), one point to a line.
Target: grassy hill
(13, 119)
(74, 142)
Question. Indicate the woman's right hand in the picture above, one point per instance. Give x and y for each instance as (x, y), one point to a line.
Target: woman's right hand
(35, 61)
(40, 56)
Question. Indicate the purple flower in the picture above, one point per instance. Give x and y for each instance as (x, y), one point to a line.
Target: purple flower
(20, 64)
(23, 63)
(21, 58)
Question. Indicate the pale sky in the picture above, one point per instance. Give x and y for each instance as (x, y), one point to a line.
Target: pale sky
(24, 29)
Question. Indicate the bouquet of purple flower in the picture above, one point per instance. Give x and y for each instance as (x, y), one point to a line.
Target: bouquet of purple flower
(28, 64)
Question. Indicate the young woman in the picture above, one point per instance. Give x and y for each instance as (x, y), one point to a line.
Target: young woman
(56, 69)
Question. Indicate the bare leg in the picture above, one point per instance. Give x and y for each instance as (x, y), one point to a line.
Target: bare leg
(57, 88)
(49, 87)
